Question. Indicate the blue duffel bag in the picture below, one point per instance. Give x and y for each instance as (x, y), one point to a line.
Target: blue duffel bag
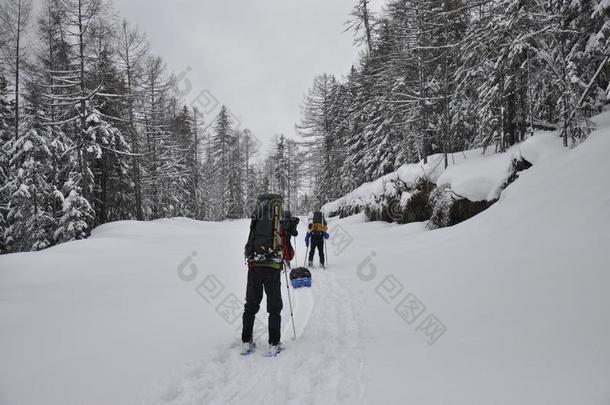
(300, 277)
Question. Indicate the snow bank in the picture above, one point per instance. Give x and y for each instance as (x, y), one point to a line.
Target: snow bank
(520, 291)
(470, 175)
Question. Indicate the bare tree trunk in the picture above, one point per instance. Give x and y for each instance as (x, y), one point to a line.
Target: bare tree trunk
(367, 25)
(152, 150)
(446, 125)
(530, 98)
(103, 203)
(422, 88)
(56, 206)
(565, 89)
(17, 67)
(83, 105)
(195, 164)
(132, 130)
(247, 159)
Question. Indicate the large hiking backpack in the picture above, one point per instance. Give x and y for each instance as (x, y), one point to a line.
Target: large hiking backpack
(300, 277)
(318, 223)
(264, 241)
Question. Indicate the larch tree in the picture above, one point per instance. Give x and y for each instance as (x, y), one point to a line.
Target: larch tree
(132, 50)
(14, 18)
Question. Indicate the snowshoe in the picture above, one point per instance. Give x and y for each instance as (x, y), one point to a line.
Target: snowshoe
(247, 348)
(274, 350)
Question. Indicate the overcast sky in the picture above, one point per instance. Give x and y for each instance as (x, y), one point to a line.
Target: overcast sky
(257, 57)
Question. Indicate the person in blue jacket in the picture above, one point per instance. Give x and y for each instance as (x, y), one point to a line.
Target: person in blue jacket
(316, 234)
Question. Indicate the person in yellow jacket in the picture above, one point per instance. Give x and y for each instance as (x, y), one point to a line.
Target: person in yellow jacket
(317, 232)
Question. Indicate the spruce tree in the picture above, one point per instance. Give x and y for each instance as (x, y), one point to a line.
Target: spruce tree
(6, 134)
(222, 144)
(30, 214)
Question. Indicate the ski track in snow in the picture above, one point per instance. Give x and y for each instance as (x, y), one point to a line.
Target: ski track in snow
(324, 364)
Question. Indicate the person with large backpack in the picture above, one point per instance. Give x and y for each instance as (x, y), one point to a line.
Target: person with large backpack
(267, 248)
(317, 233)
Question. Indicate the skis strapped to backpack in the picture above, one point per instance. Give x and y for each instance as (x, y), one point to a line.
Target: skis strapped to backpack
(264, 242)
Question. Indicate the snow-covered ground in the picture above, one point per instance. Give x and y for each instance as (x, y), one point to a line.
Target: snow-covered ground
(510, 307)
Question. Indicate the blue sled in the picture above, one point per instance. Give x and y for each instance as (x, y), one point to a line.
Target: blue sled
(301, 282)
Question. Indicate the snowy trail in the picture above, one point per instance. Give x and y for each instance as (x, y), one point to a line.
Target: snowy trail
(323, 365)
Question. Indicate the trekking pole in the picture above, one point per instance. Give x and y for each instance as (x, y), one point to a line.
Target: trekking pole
(294, 331)
(296, 259)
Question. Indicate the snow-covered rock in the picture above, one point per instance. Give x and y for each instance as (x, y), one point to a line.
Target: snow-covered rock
(474, 177)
